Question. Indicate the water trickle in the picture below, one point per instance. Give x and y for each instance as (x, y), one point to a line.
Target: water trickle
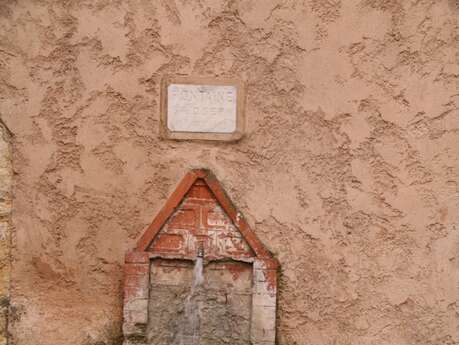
(198, 277)
(189, 331)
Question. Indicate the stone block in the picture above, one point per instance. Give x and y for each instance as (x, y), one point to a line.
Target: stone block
(262, 299)
(135, 316)
(263, 336)
(263, 327)
(264, 318)
(137, 305)
(202, 109)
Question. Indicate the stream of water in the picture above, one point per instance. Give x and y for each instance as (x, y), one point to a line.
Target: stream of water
(189, 331)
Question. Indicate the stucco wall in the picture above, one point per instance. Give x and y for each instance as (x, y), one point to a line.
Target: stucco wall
(348, 171)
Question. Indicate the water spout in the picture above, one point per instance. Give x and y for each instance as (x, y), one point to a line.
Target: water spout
(200, 251)
(198, 276)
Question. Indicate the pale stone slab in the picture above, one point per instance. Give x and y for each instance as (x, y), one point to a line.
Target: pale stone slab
(201, 108)
(195, 108)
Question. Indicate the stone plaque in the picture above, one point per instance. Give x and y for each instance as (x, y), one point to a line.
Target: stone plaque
(201, 109)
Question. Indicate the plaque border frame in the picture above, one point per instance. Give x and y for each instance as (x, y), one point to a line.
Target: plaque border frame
(166, 133)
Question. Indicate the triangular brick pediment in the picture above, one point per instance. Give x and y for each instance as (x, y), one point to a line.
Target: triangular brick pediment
(199, 213)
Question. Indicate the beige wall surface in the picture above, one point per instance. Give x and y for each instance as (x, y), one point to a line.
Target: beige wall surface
(348, 171)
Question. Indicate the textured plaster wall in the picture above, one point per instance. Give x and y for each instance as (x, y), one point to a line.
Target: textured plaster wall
(348, 171)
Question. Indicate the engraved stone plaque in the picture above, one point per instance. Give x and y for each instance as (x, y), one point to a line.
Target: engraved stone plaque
(201, 109)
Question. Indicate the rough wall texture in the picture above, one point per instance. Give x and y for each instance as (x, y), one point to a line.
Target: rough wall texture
(348, 171)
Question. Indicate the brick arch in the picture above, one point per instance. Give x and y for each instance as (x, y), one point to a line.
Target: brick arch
(192, 179)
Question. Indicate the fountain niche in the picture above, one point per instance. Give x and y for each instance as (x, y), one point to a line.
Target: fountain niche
(199, 275)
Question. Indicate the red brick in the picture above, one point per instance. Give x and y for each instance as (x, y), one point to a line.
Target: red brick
(199, 191)
(183, 217)
(168, 243)
(137, 257)
(136, 269)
